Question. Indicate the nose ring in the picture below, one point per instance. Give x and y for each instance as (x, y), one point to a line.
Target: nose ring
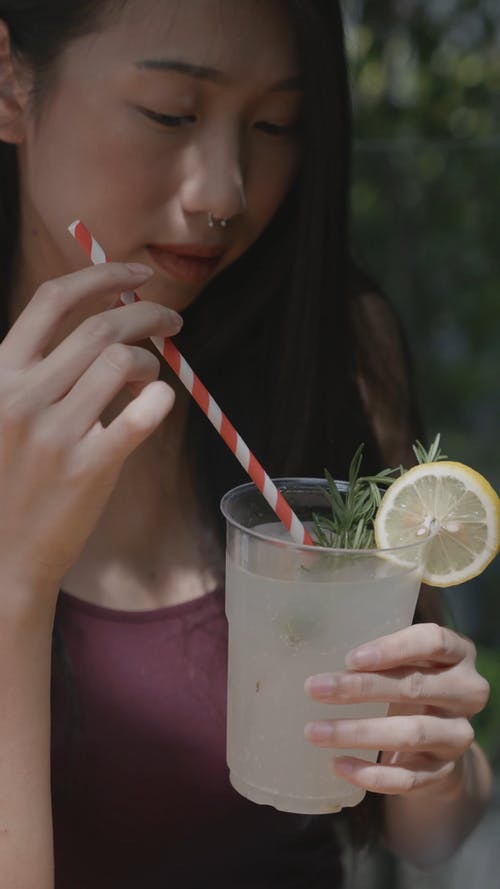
(213, 221)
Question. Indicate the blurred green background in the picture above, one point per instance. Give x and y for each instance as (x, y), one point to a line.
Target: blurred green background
(426, 202)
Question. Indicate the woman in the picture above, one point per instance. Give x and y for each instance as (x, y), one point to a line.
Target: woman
(206, 145)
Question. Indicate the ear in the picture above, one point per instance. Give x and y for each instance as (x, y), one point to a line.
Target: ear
(14, 92)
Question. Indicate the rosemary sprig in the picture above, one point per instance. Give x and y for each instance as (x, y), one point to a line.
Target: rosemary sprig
(433, 455)
(351, 523)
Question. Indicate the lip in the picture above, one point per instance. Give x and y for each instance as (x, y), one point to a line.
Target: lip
(191, 263)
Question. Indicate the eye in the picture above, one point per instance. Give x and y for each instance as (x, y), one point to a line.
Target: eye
(274, 129)
(167, 120)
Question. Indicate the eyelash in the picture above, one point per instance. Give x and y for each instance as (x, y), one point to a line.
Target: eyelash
(273, 129)
(173, 122)
(167, 120)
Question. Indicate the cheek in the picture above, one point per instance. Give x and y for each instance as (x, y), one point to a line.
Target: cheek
(110, 182)
(269, 183)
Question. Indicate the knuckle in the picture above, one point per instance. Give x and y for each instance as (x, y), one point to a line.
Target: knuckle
(418, 735)
(135, 426)
(119, 357)
(472, 650)
(154, 365)
(484, 691)
(51, 292)
(377, 779)
(480, 694)
(342, 688)
(13, 410)
(100, 329)
(47, 439)
(359, 685)
(439, 637)
(355, 735)
(469, 733)
(416, 686)
(81, 467)
(366, 685)
(466, 734)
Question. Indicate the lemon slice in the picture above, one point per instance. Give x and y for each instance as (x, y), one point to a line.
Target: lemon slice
(454, 503)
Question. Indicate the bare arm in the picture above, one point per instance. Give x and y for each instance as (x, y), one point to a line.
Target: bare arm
(427, 829)
(26, 860)
(58, 468)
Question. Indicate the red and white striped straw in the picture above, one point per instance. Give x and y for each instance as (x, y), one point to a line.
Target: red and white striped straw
(207, 404)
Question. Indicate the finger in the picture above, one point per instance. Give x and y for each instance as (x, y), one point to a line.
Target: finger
(390, 779)
(106, 377)
(443, 737)
(133, 425)
(55, 300)
(420, 643)
(56, 374)
(454, 689)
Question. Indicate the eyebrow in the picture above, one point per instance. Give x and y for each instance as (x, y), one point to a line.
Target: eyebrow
(200, 72)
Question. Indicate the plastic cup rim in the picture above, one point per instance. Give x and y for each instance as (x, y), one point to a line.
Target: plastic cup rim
(304, 547)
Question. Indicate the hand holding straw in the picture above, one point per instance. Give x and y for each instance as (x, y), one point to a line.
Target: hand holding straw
(207, 404)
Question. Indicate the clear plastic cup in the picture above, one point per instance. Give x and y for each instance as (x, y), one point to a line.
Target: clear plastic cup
(294, 611)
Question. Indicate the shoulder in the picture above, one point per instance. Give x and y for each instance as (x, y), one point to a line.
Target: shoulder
(374, 318)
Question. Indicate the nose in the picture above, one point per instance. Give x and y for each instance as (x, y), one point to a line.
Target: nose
(214, 177)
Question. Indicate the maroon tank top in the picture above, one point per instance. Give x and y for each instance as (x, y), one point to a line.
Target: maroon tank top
(141, 793)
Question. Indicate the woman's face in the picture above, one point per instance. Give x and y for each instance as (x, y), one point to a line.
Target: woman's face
(176, 109)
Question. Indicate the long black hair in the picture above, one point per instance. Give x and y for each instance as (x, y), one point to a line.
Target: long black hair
(275, 336)
(272, 335)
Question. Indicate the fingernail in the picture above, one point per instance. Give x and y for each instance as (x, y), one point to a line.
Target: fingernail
(177, 321)
(138, 270)
(321, 686)
(367, 656)
(318, 731)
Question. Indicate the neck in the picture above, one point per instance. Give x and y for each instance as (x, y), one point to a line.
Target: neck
(151, 546)
(155, 479)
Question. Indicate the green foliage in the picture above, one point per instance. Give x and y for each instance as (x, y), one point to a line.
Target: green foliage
(427, 68)
(425, 198)
(426, 191)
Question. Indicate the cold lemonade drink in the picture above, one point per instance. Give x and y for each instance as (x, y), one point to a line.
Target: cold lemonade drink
(294, 611)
